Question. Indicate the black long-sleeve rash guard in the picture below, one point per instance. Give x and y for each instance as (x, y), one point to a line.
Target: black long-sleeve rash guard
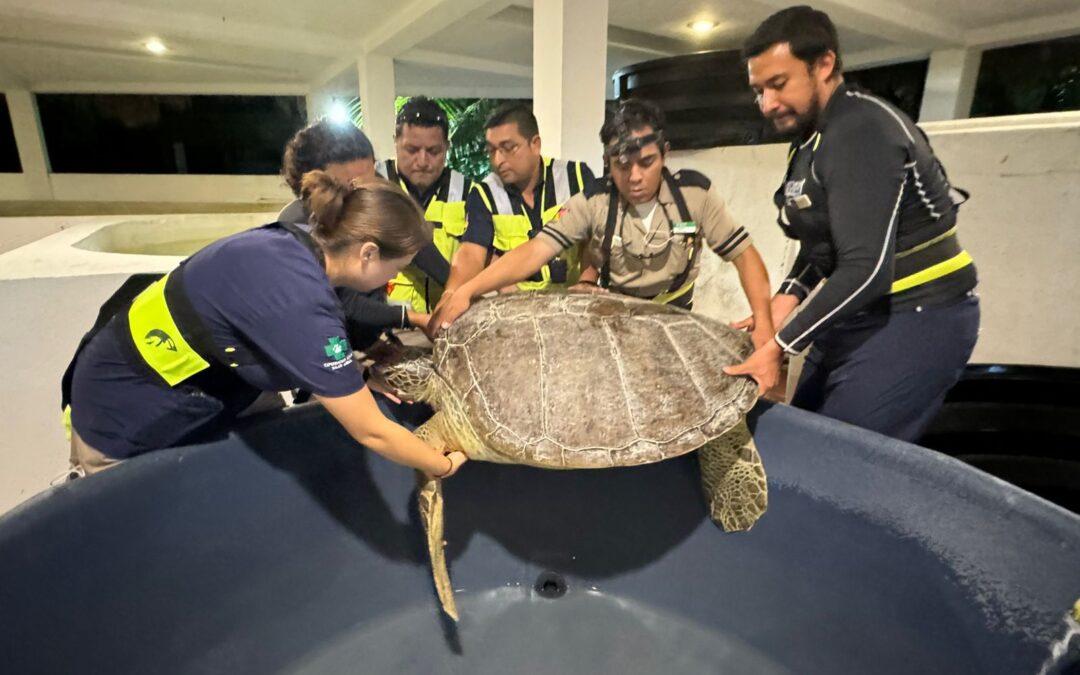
(863, 186)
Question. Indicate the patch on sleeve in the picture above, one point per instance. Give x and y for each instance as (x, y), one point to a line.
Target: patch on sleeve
(339, 352)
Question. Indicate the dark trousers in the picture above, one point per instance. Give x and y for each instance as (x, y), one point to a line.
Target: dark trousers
(889, 372)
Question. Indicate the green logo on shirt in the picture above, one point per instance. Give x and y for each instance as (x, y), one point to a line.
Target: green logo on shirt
(336, 348)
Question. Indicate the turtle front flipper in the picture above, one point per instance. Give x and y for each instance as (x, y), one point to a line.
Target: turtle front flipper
(733, 479)
(430, 497)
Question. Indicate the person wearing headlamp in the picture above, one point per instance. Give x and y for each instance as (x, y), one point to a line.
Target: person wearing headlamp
(643, 228)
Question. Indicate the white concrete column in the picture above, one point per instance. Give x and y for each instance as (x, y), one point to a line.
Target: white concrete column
(377, 94)
(570, 77)
(950, 84)
(30, 142)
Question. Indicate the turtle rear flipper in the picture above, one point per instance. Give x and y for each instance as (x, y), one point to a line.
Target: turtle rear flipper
(733, 479)
(432, 514)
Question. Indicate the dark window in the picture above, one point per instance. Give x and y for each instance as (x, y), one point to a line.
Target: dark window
(704, 96)
(1032, 78)
(708, 102)
(9, 152)
(119, 133)
(901, 84)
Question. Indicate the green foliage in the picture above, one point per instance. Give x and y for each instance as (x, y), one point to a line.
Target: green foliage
(466, 117)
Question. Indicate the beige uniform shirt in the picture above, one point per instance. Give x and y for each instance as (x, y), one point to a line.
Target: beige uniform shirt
(644, 265)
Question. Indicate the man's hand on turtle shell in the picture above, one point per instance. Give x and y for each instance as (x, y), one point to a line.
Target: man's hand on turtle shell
(781, 307)
(745, 324)
(452, 305)
(586, 287)
(763, 365)
(419, 320)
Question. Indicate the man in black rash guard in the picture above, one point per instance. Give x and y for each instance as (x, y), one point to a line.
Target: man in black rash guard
(896, 321)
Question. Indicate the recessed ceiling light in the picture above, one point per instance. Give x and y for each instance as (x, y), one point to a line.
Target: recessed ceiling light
(702, 25)
(156, 46)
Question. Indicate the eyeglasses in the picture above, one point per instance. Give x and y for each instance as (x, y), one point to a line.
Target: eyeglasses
(508, 149)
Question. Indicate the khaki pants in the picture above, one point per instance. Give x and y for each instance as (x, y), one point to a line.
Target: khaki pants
(87, 459)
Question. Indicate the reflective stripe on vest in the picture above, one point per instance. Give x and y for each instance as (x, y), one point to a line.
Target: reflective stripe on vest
(672, 296)
(159, 340)
(927, 261)
(169, 335)
(446, 212)
(513, 228)
(448, 209)
(941, 269)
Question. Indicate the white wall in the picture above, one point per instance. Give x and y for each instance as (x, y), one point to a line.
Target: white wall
(92, 187)
(746, 178)
(22, 187)
(124, 188)
(16, 232)
(1022, 226)
(43, 320)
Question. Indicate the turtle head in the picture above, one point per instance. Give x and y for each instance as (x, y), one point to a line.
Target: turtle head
(406, 370)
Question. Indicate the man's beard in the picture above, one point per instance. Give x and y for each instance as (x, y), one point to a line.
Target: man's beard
(804, 122)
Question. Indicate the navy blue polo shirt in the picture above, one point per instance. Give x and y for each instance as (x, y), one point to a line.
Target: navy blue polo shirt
(261, 291)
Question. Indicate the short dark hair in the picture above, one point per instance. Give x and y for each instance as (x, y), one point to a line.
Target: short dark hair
(320, 144)
(421, 111)
(810, 32)
(630, 115)
(515, 112)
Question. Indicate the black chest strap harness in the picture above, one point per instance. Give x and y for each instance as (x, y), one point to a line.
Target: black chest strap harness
(684, 214)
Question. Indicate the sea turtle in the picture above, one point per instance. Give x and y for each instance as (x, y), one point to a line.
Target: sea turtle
(584, 381)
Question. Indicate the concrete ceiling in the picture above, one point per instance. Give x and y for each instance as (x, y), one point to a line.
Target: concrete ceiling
(441, 47)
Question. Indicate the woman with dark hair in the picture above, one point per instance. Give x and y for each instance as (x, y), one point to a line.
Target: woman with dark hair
(254, 312)
(345, 153)
(339, 149)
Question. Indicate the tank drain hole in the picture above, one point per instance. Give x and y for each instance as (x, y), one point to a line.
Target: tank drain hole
(550, 585)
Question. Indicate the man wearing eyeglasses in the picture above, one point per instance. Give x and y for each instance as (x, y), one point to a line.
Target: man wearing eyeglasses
(421, 141)
(524, 192)
(643, 230)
